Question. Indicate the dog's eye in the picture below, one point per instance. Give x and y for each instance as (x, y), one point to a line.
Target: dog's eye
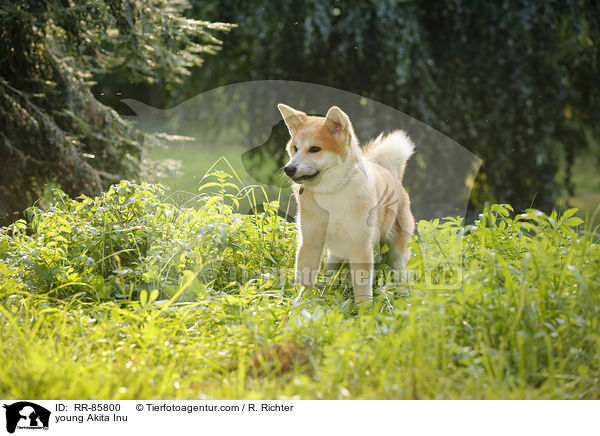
(295, 149)
(314, 149)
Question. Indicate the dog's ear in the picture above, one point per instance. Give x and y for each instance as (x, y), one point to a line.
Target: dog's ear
(338, 123)
(293, 118)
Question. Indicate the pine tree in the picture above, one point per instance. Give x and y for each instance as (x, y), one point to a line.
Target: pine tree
(52, 129)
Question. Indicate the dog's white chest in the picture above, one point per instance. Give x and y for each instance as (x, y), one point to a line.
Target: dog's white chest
(347, 224)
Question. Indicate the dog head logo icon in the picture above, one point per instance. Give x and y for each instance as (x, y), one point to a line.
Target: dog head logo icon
(26, 415)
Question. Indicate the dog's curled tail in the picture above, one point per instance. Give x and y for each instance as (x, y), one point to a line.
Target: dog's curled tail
(391, 151)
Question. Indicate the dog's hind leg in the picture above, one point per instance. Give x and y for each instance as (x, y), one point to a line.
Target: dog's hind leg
(404, 228)
(399, 253)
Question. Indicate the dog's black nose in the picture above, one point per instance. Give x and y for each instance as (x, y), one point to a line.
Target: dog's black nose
(290, 170)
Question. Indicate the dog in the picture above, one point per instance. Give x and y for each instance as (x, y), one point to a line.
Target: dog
(348, 199)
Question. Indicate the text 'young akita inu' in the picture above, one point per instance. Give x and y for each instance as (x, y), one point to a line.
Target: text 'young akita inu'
(348, 199)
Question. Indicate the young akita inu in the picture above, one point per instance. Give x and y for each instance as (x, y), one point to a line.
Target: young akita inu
(348, 199)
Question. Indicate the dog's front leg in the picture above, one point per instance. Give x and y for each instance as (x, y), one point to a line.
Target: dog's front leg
(310, 248)
(308, 259)
(361, 266)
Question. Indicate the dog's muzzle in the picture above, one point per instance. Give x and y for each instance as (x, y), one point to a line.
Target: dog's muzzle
(291, 170)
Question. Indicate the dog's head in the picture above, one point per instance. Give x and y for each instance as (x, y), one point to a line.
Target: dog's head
(317, 145)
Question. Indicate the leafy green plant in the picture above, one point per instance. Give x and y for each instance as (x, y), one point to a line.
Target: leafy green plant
(129, 295)
(130, 239)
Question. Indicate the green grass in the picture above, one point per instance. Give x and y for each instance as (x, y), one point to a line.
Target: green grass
(193, 162)
(181, 169)
(131, 296)
(586, 181)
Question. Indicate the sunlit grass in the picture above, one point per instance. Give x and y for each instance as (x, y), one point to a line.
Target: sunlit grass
(192, 161)
(586, 184)
(131, 296)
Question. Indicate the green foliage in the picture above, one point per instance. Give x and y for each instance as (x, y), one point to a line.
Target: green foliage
(129, 240)
(52, 130)
(127, 295)
(514, 82)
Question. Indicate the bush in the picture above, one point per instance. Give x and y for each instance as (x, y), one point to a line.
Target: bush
(130, 240)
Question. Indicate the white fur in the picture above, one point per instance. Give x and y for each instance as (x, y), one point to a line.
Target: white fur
(391, 152)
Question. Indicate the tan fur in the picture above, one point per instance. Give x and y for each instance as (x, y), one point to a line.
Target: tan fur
(314, 130)
(347, 200)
